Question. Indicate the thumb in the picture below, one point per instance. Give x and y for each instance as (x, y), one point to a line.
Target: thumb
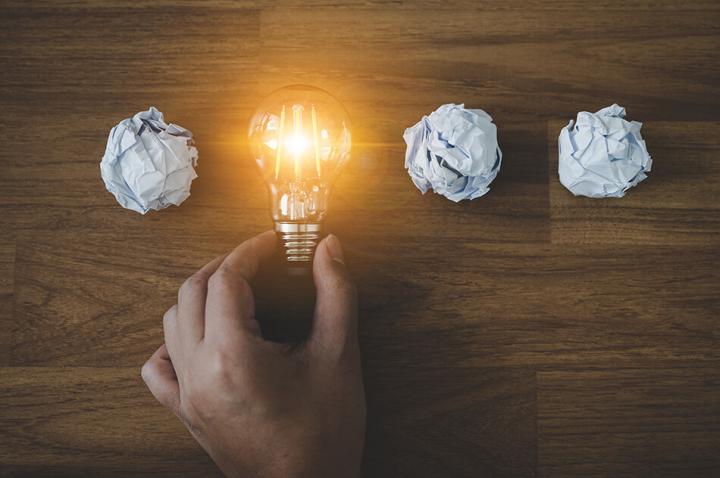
(160, 378)
(335, 321)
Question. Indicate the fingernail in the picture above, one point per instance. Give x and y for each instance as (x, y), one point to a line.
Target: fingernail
(334, 248)
(144, 371)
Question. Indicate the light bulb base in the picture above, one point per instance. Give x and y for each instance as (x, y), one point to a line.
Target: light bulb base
(298, 241)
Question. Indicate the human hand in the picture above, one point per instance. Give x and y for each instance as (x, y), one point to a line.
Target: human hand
(262, 409)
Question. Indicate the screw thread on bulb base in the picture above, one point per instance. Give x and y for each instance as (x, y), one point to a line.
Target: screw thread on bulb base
(298, 241)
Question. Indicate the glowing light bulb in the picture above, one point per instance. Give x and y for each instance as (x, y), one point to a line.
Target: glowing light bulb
(297, 144)
(300, 138)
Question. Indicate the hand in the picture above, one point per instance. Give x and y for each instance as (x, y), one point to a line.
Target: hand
(261, 409)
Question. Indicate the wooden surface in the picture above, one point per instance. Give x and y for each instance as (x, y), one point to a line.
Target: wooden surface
(527, 333)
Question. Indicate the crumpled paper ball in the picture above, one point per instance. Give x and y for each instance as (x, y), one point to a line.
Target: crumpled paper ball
(148, 164)
(602, 154)
(454, 152)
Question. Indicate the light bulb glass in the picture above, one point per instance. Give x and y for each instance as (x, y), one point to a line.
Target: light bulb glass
(300, 138)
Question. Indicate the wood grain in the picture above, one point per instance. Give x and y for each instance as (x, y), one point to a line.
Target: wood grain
(629, 422)
(426, 431)
(91, 421)
(526, 333)
(7, 299)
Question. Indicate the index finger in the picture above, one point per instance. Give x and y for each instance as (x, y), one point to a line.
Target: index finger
(230, 306)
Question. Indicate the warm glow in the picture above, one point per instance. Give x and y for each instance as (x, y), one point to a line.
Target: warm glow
(296, 144)
(299, 139)
(272, 144)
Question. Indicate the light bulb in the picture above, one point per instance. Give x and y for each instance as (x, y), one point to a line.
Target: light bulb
(300, 138)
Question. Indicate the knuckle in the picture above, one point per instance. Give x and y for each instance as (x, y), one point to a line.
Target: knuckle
(193, 284)
(169, 314)
(225, 368)
(219, 365)
(222, 278)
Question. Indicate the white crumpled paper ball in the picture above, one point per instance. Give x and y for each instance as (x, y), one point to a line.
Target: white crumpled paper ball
(148, 164)
(602, 154)
(454, 152)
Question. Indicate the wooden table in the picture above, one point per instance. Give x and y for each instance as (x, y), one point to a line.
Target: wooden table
(525, 333)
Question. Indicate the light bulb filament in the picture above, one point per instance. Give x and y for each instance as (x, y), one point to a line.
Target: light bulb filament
(316, 142)
(298, 140)
(278, 151)
(295, 143)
